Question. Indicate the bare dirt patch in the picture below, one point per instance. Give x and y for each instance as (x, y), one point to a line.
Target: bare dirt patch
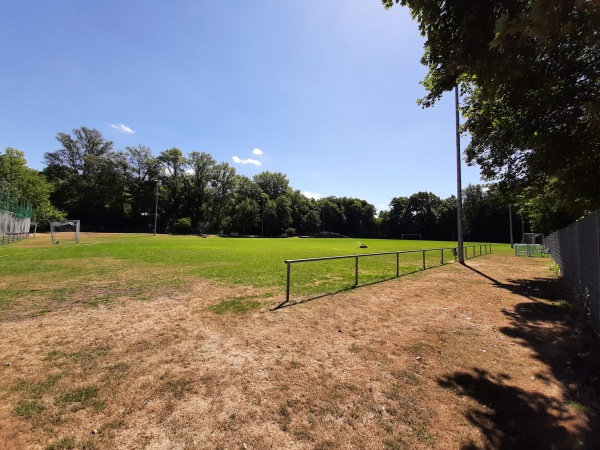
(483, 356)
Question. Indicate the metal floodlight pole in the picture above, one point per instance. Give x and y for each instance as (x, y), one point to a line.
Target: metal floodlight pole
(461, 255)
(156, 208)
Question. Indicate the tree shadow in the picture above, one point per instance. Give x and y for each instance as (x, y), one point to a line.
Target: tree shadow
(551, 323)
(535, 288)
(510, 417)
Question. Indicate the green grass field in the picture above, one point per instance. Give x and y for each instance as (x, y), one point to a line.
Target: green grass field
(103, 268)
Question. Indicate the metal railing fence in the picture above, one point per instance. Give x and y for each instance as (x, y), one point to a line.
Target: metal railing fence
(9, 238)
(426, 258)
(576, 251)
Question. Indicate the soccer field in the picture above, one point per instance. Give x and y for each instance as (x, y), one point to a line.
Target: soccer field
(107, 267)
(125, 342)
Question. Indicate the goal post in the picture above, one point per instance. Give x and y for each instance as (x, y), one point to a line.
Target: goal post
(412, 236)
(532, 238)
(65, 231)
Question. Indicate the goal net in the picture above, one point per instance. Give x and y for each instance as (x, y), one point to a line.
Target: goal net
(412, 236)
(66, 231)
(532, 238)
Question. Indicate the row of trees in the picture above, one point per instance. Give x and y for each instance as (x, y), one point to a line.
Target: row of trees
(191, 193)
(485, 216)
(88, 180)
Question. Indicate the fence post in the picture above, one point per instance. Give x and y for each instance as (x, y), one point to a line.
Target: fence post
(356, 273)
(442, 259)
(423, 259)
(287, 287)
(397, 264)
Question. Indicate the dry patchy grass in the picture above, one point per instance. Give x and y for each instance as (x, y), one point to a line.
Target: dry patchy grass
(484, 356)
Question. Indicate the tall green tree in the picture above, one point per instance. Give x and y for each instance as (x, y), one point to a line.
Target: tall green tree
(86, 177)
(446, 223)
(397, 220)
(142, 173)
(421, 214)
(274, 184)
(544, 209)
(79, 151)
(174, 165)
(29, 184)
(530, 74)
(222, 188)
(332, 215)
(284, 213)
(485, 214)
(305, 214)
(203, 168)
(246, 215)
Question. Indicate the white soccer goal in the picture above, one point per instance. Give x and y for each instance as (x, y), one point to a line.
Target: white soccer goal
(532, 238)
(66, 231)
(413, 236)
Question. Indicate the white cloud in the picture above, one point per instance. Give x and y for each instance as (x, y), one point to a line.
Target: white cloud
(122, 128)
(246, 161)
(257, 151)
(311, 195)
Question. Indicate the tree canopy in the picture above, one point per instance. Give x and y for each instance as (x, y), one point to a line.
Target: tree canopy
(530, 80)
(29, 184)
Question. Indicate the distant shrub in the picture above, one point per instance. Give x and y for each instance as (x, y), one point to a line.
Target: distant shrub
(182, 226)
(290, 232)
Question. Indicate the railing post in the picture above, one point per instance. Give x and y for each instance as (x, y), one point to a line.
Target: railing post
(356, 273)
(442, 259)
(423, 259)
(397, 264)
(287, 287)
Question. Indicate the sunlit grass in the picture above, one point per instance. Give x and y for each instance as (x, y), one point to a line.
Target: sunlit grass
(99, 270)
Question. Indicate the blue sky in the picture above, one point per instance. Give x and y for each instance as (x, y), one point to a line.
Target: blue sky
(323, 91)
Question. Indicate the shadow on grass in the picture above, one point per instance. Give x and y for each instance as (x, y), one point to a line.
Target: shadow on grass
(287, 304)
(550, 323)
(509, 417)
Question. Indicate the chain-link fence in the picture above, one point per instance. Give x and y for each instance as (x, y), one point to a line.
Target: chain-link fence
(576, 250)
